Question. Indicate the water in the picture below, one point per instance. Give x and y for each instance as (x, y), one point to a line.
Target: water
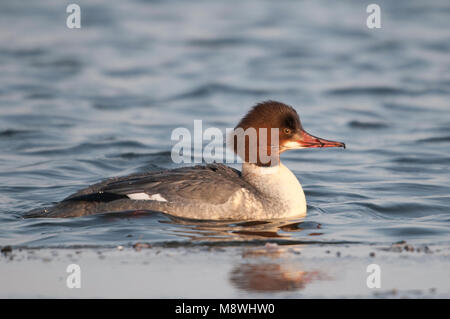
(78, 106)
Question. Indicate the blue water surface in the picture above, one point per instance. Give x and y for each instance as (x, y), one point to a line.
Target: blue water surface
(81, 105)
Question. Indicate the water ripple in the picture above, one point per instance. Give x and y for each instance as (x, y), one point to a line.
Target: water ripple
(103, 102)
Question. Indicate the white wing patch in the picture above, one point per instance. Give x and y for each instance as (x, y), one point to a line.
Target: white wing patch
(158, 198)
(145, 196)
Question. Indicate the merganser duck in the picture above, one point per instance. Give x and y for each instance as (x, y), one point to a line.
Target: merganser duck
(213, 191)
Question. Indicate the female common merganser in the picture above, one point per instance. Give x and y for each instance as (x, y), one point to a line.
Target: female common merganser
(214, 191)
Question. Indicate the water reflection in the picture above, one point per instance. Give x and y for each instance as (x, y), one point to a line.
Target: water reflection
(241, 231)
(271, 277)
(270, 269)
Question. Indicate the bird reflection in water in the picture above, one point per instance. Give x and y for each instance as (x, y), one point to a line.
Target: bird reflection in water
(269, 268)
(279, 273)
(228, 231)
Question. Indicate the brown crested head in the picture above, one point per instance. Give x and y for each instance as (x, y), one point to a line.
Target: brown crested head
(269, 129)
